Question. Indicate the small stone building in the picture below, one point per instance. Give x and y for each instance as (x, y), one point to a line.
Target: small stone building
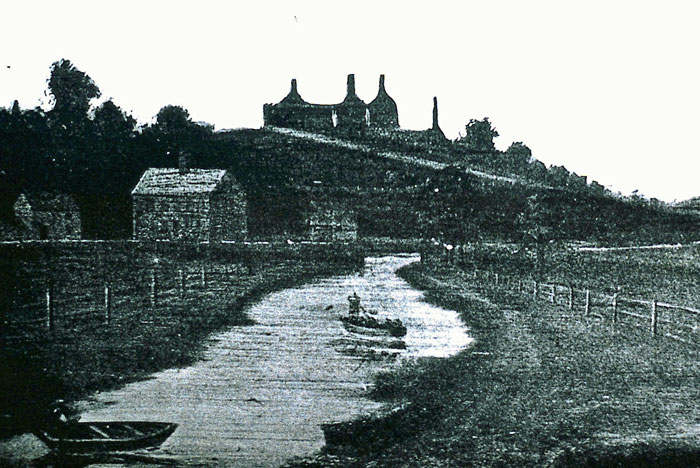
(196, 205)
(331, 220)
(46, 215)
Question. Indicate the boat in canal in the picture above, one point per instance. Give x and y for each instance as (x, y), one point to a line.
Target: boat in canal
(104, 437)
(365, 324)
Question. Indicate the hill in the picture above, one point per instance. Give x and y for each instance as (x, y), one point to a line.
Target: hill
(400, 183)
(411, 192)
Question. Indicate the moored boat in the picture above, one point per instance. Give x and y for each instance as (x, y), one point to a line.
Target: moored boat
(113, 436)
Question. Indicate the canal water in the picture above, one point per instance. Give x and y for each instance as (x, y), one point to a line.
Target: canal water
(261, 392)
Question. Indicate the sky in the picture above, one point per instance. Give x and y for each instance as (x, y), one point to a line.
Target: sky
(609, 89)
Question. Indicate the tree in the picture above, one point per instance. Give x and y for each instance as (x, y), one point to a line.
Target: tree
(71, 89)
(479, 136)
(535, 226)
(112, 123)
(174, 134)
(517, 157)
(173, 120)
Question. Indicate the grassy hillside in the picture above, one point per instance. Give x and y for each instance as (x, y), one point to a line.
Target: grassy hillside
(402, 194)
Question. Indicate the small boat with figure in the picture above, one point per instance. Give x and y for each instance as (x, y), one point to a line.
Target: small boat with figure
(363, 323)
(66, 435)
(358, 320)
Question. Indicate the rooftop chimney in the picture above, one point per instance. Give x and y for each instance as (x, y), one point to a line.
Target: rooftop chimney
(294, 85)
(183, 163)
(435, 114)
(381, 83)
(351, 84)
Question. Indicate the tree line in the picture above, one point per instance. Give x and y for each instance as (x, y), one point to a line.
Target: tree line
(96, 154)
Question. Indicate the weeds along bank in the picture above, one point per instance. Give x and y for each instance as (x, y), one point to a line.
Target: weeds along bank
(83, 316)
(541, 386)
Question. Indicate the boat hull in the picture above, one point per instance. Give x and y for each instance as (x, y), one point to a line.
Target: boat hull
(98, 437)
(372, 326)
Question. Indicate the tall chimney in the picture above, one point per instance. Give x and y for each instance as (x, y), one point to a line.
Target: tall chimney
(351, 84)
(183, 163)
(381, 83)
(435, 114)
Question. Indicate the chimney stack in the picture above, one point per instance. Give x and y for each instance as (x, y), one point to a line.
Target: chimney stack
(381, 83)
(351, 84)
(294, 85)
(183, 163)
(435, 114)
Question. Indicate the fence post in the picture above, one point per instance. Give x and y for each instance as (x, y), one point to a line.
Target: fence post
(552, 298)
(614, 305)
(588, 302)
(520, 285)
(204, 278)
(571, 297)
(154, 288)
(654, 318)
(49, 309)
(182, 282)
(536, 291)
(108, 304)
(496, 279)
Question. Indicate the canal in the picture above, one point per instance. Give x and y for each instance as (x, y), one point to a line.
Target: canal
(260, 393)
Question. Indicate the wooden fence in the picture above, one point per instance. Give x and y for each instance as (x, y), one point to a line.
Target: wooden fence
(678, 322)
(65, 308)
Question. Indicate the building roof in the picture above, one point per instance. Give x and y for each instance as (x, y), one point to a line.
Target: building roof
(47, 201)
(169, 181)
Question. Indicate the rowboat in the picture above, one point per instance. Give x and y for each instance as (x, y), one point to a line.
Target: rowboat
(354, 322)
(100, 437)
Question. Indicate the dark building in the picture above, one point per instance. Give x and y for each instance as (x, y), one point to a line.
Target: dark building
(383, 112)
(380, 117)
(352, 114)
(47, 216)
(197, 205)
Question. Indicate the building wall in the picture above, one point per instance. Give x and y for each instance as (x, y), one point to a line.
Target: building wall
(186, 218)
(46, 223)
(311, 117)
(383, 113)
(229, 215)
(302, 117)
(59, 224)
(332, 221)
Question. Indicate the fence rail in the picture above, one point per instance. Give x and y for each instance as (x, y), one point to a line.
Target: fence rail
(677, 322)
(61, 309)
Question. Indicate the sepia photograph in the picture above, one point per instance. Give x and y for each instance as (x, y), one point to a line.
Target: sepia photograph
(315, 234)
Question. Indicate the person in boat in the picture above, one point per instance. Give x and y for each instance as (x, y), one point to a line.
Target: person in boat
(355, 307)
(60, 415)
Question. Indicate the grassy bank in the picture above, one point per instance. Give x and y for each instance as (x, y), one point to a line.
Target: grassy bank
(541, 386)
(668, 274)
(85, 351)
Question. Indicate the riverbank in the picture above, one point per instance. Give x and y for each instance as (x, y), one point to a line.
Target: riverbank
(164, 301)
(541, 386)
